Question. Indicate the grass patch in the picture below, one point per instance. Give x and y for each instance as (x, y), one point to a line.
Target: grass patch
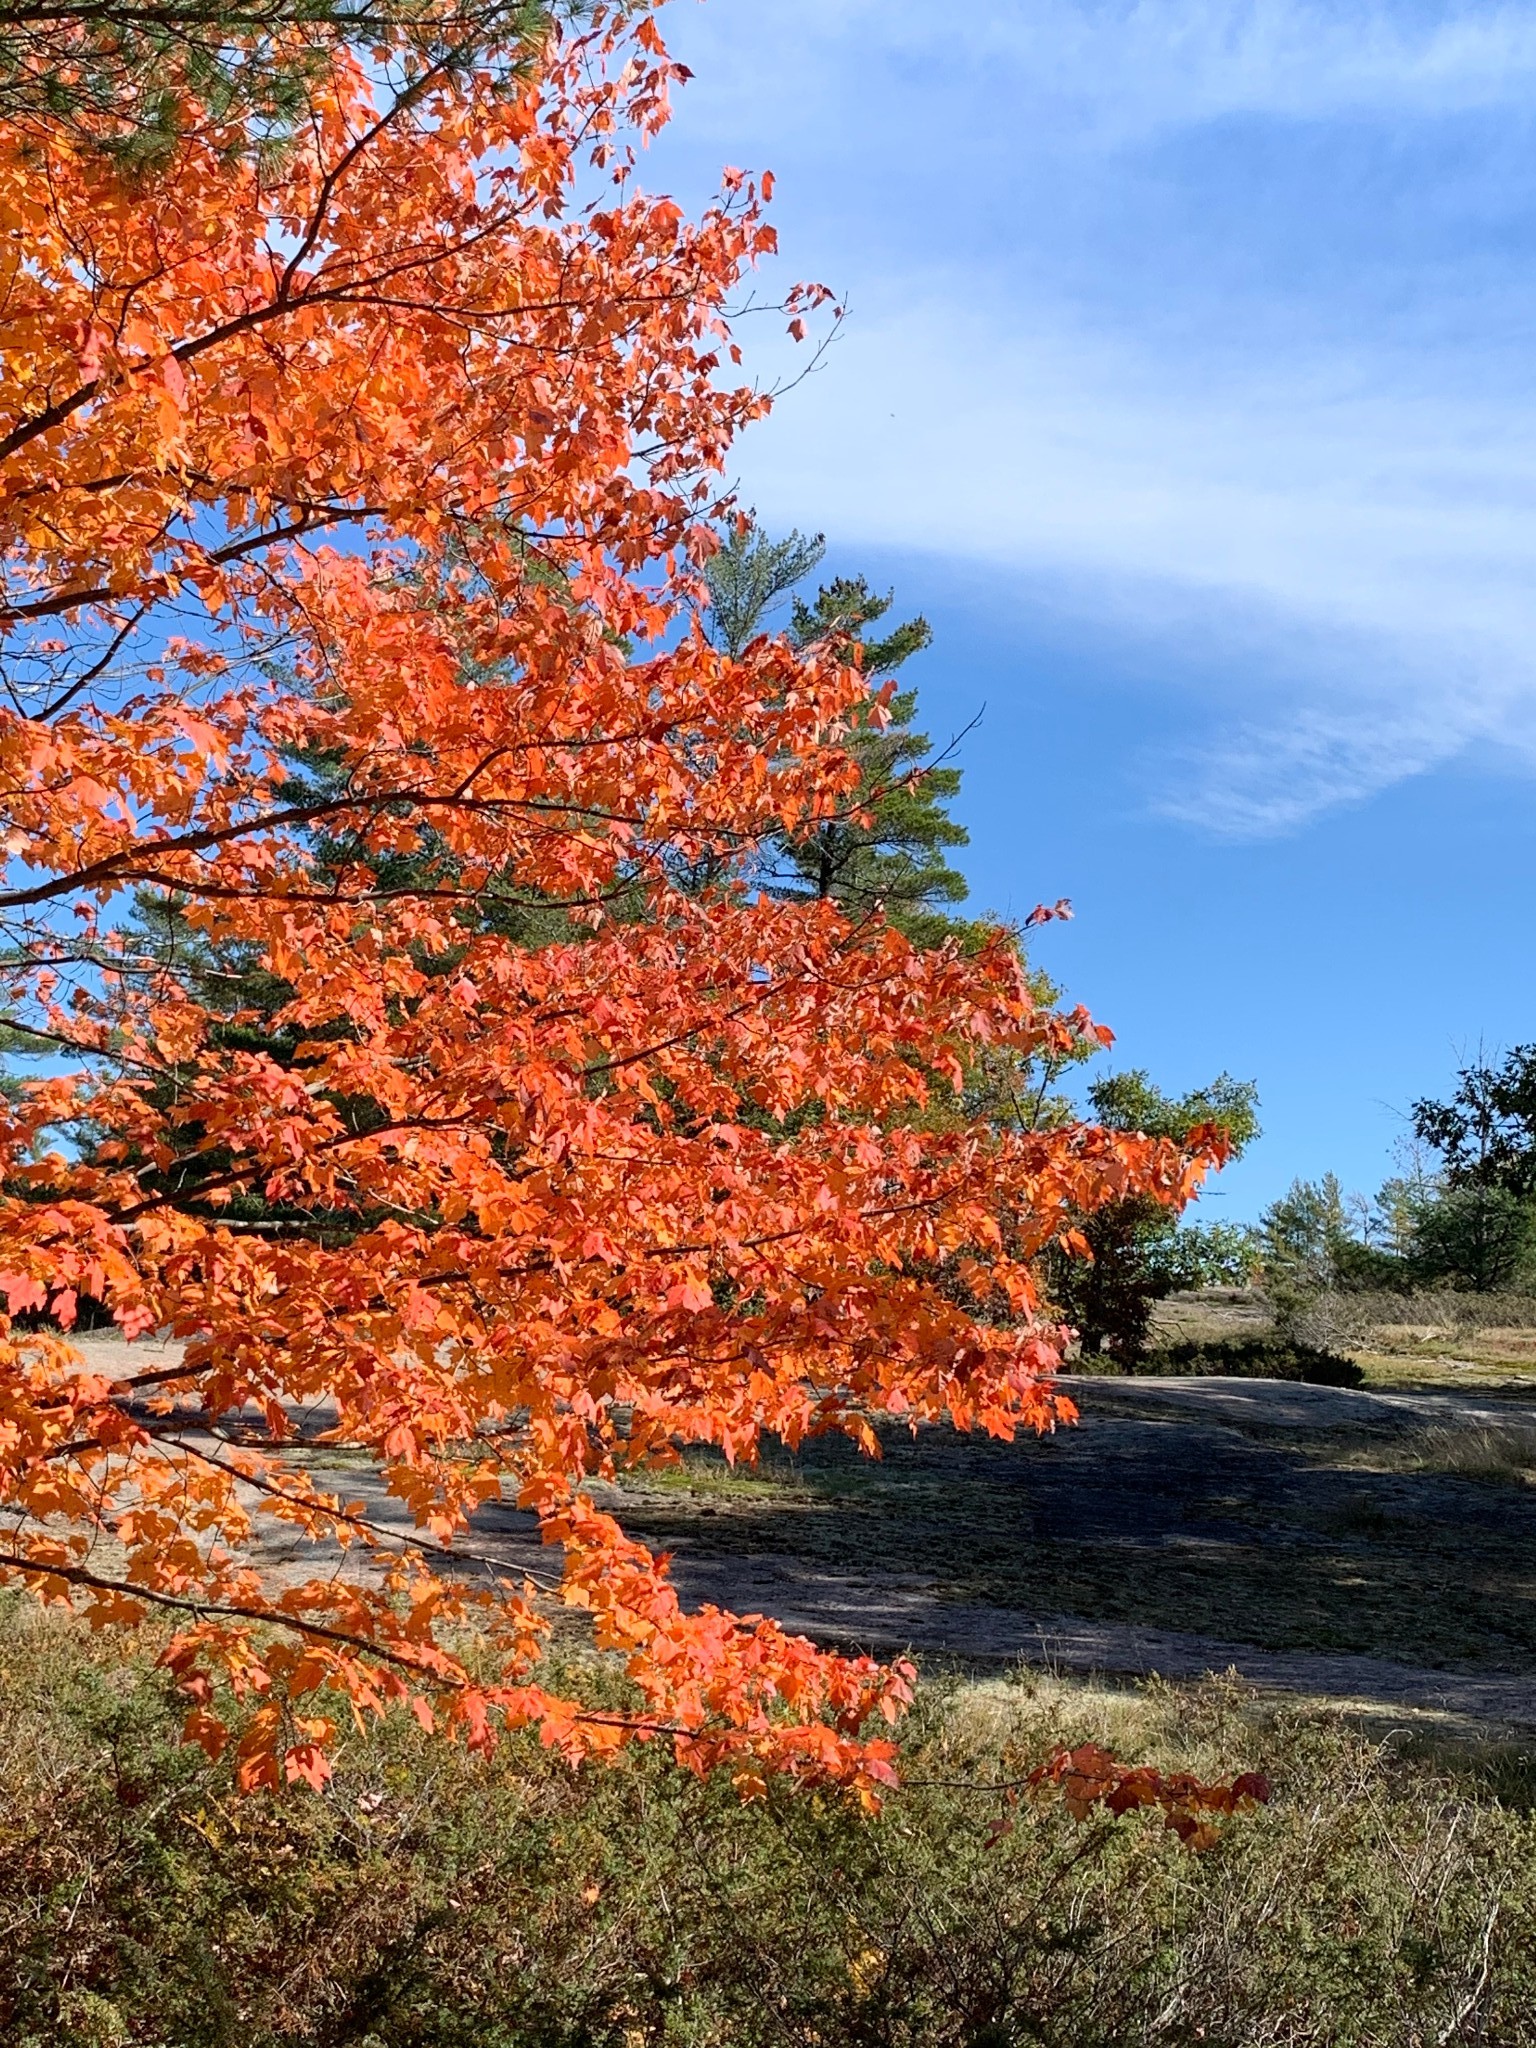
(1502, 1452)
(1433, 1371)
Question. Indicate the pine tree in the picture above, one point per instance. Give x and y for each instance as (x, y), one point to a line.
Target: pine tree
(887, 850)
(750, 576)
(126, 72)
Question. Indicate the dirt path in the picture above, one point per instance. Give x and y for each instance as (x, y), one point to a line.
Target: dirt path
(1187, 1526)
(884, 1616)
(1285, 1404)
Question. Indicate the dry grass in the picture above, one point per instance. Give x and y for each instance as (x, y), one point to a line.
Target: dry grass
(1418, 1340)
(1504, 1452)
(1210, 1315)
(1492, 1332)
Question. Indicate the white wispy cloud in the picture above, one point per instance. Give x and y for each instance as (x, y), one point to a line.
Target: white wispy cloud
(1158, 59)
(1339, 502)
(1367, 561)
(1136, 62)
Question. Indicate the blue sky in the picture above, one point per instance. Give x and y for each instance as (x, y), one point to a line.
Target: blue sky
(1189, 387)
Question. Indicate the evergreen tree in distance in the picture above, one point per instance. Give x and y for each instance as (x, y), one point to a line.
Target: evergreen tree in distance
(127, 73)
(888, 848)
(749, 578)
(1140, 1252)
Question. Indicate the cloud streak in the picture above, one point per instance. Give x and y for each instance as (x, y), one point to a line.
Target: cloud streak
(1333, 481)
(1369, 565)
(1136, 63)
(1155, 62)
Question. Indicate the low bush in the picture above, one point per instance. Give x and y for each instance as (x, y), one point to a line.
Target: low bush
(1269, 1357)
(433, 1900)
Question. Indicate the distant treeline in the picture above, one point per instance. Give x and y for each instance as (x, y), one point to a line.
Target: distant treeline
(1461, 1216)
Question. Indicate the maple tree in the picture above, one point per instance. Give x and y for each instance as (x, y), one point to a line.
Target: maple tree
(396, 451)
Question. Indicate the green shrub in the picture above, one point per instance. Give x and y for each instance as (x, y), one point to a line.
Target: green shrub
(432, 1900)
(1254, 1358)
